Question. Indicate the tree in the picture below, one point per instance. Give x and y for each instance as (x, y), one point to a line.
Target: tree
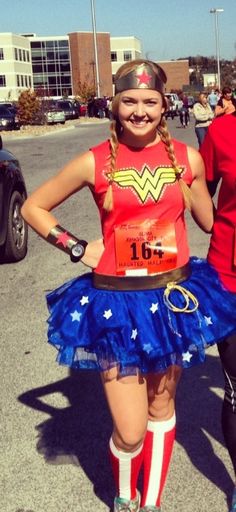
(28, 107)
(84, 91)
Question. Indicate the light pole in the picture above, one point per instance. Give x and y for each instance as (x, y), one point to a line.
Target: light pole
(216, 11)
(95, 49)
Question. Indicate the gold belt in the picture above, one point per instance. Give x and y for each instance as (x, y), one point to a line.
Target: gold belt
(128, 283)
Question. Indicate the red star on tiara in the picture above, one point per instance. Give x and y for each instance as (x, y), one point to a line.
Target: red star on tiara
(144, 78)
(63, 238)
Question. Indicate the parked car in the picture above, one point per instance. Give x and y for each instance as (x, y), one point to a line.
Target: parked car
(10, 106)
(8, 119)
(68, 108)
(13, 228)
(174, 104)
(54, 115)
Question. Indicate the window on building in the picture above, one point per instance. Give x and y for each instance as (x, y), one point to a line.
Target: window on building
(2, 81)
(127, 55)
(63, 55)
(63, 44)
(16, 53)
(27, 55)
(113, 56)
(18, 80)
(35, 44)
(51, 65)
(20, 54)
(1, 54)
(24, 56)
(37, 68)
(50, 44)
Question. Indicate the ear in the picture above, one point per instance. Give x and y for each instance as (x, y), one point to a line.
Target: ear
(163, 110)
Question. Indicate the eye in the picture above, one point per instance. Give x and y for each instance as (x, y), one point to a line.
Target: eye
(152, 102)
(128, 101)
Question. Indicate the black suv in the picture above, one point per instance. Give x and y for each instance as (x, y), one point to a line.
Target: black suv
(13, 228)
(8, 117)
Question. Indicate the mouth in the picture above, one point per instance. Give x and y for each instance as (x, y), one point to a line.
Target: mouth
(140, 123)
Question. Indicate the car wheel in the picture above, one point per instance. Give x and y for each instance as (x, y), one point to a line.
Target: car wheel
(17, 230)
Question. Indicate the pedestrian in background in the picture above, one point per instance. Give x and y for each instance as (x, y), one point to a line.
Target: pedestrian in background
(219, 153)
(203, 115)
(145, 311)
(184, 112)
(226, 103)
(213, 99)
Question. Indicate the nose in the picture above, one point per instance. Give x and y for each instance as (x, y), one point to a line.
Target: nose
(139, 110)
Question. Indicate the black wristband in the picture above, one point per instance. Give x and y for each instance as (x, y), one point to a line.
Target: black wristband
(77, 251)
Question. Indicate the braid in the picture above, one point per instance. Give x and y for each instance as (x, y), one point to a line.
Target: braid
(169, 146)
(108, 200)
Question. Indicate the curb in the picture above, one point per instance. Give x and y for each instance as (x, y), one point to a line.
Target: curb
(17, 136)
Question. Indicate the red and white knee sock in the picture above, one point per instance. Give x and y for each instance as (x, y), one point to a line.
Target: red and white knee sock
(157, 450)
(126, 467)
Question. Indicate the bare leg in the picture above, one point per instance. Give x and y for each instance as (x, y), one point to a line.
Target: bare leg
(160, 434)
(127, 400)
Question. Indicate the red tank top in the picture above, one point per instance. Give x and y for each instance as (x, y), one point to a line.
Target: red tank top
(144, 187)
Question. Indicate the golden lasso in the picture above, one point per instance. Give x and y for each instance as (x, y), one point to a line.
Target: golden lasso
(188, 296)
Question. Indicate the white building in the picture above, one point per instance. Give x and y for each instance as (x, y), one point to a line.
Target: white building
(15, 66)
(124, 49)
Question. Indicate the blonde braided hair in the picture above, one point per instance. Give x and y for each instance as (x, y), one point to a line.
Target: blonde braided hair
(169, 147)
(114, 144)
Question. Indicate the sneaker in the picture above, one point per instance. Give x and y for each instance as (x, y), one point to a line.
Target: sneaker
(123, 505)
(150, 508)
(233, 506)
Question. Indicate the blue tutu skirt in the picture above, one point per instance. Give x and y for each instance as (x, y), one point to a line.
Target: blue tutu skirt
(136, 331)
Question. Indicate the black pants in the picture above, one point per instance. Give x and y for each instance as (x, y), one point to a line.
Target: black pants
(184, 116)
(227, 351)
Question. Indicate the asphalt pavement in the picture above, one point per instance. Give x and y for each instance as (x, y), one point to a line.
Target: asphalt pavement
(55, 424)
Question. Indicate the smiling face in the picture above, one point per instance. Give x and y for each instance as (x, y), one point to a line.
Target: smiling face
(139, 114)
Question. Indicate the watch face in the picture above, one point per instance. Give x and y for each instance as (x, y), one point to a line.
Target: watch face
(77, 250)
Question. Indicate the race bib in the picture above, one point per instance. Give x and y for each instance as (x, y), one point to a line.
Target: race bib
(146, 247)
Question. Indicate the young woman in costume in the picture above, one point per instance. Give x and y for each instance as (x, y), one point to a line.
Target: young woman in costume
(219, 154)
(145, 311)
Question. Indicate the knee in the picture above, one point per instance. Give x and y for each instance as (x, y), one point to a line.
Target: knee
(161, 406)
(130, 439)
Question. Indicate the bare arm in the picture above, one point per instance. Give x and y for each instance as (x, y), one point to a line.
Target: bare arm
(202, 206)
(36, 210)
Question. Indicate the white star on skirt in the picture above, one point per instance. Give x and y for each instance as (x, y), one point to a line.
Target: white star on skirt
(208, 320)
(134, 334)
(75, 316)
(84, 300)
(107, 314)
(186, 356)
(154, 307)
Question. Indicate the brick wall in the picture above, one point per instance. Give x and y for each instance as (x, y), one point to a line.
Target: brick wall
(177, 72)
(83, 60)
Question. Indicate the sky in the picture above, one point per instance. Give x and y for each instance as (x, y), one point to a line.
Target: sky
(168, 29)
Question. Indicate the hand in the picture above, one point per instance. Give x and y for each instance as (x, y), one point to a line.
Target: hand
(93, 253)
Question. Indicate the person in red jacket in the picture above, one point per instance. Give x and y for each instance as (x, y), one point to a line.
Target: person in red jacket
(219, 153)
(145, 311)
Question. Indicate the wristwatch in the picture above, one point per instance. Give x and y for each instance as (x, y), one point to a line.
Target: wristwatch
(77, 251)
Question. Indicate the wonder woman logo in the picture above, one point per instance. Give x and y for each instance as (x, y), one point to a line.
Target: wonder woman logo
(146, 183)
